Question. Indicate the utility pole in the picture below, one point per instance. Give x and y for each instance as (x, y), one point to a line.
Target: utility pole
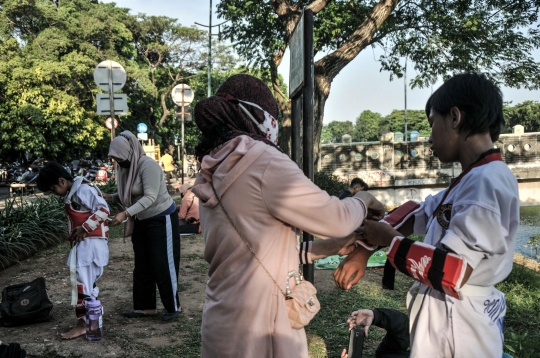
(405, 89)
(210, 46)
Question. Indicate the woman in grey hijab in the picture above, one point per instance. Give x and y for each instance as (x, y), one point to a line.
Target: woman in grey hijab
(151, 220)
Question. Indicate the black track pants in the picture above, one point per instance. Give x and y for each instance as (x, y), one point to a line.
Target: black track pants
(156, 244)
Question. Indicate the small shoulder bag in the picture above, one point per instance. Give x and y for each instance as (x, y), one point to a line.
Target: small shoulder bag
(301, 301)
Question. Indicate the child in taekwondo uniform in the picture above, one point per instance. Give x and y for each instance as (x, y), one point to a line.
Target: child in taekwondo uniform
(469, 228)
(87, 213)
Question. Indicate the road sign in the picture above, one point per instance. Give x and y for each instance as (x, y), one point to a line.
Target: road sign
(142, 128)
(142, 136)
(108, 123)
(110, 71)
(177, 96)
(296, 47)
(104, 104)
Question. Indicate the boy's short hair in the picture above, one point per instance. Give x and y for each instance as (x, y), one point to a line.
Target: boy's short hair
(479, 100)
(358, 181)
(49, 176)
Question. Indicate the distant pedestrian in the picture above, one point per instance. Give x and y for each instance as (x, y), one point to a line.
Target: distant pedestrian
(357, 185)
(167, 163)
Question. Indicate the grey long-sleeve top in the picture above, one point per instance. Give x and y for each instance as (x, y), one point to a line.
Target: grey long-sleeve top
(149, 195)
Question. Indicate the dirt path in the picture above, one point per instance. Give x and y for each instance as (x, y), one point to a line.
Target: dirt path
(122, 337)
(148, 337)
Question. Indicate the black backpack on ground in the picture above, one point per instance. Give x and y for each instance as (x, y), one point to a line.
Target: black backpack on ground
(13, 350)
(25, 303)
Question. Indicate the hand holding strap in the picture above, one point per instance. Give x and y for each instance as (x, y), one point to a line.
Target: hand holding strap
(396, 219)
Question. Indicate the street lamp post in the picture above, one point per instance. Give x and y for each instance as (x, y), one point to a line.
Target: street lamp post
(182, 95)
(210, 47)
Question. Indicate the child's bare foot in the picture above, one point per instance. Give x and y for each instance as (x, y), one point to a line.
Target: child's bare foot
(76, 331)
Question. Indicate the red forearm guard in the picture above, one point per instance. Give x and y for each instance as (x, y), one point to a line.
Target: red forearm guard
(427, 264)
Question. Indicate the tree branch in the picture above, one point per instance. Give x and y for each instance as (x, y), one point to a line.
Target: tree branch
(317, 5)
(330, 65)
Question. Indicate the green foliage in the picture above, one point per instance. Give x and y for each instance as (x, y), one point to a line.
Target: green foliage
(534, 245)
(338, 128)
(440, 38)
(26, 227)
(416, 120)
(336, 306)
(521, 345)
(108, 187)
(526, 114)
(522, 290)
(46, 73)
(332, 184)
(367, 126)
(48, 56)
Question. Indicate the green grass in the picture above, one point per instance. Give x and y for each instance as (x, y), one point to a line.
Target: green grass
(327, 333)
(328, 336)
(530, 215)
(522, 289)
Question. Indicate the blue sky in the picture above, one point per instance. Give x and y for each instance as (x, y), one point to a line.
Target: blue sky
(359, 86)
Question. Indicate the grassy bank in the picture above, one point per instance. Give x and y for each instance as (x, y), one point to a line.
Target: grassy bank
(328, 336)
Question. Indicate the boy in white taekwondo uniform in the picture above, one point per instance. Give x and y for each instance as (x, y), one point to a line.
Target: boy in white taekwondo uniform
(470, 229)
(87, 214)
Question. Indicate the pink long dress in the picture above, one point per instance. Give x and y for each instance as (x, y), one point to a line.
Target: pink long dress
(267, 196)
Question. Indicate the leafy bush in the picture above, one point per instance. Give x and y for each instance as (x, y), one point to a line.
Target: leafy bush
(534, 245)
(27, 226)
(332, 184)
(109, 187)
(521, 345)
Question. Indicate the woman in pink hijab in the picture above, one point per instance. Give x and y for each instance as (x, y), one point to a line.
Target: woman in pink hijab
(249, 188)
(152, 222)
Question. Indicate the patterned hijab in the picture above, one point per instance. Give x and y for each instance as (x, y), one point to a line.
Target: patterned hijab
(127, 147)
(220, 118)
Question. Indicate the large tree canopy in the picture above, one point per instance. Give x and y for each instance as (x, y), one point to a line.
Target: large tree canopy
(526, 114)
(49, 53)
(440, 37)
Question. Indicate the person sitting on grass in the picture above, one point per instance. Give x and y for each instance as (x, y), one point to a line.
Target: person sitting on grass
(357, 185)
(87, 214)
(188, 211)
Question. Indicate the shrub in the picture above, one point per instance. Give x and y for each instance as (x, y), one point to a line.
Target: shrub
(332, 184)
(534, 245)
(27, 226)
(109, 187)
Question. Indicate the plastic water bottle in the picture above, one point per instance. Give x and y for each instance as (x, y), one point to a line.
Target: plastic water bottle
(94, 320)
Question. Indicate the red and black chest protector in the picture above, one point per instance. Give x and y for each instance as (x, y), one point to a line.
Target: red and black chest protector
(94, 224)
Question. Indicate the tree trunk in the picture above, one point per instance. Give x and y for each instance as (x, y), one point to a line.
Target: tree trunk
(284, 105)
(328, 67)
(322, 91)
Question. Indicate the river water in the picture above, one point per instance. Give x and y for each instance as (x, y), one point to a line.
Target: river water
(529, 227)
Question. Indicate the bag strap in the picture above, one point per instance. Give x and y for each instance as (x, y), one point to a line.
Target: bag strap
(245, 241)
